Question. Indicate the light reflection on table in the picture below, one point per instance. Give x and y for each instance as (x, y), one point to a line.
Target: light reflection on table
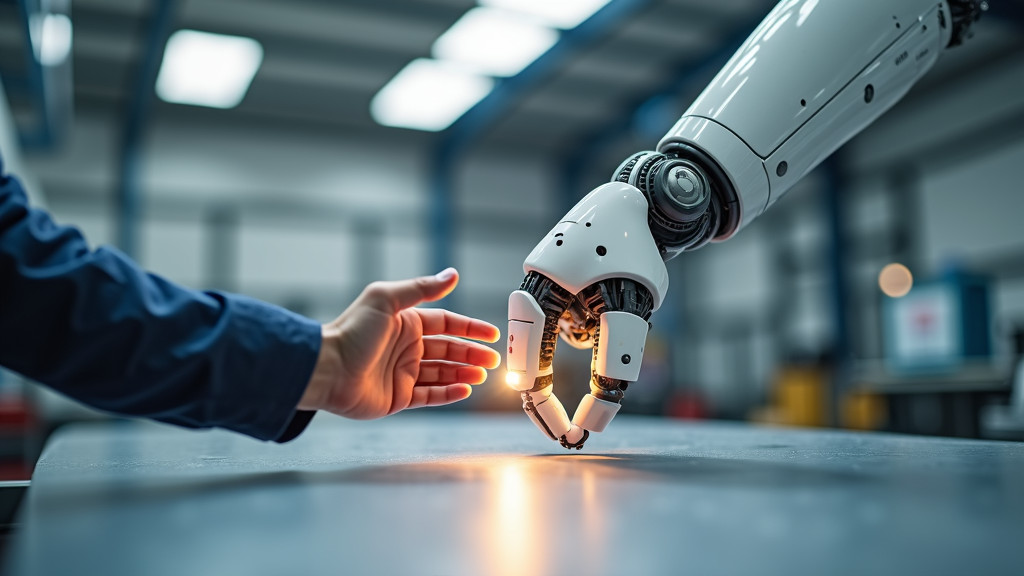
(485, 495)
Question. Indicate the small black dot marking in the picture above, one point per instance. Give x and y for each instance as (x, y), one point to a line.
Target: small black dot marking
(869, 93)
(803, 102)
(601, 250)
(588, 224)
(559, 243)
(780, 170)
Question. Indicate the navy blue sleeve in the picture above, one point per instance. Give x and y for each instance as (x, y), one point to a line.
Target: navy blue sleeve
(92, 325)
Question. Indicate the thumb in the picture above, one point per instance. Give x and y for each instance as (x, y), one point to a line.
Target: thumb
(403, 294)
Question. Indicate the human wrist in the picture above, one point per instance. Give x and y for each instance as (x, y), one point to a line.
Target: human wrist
(325, 373)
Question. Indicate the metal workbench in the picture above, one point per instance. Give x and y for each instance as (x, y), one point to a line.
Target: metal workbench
(446, 493)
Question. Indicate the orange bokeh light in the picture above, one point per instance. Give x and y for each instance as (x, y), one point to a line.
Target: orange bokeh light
(895, 280)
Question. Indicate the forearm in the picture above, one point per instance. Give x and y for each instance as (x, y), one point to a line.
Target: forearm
(94, 326)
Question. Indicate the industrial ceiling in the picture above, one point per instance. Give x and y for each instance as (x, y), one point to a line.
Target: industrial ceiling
(325, 60)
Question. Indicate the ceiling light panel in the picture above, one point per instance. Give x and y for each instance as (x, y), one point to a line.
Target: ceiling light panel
(494, 42)
(429, 95)
(563, 14)
(208, 69)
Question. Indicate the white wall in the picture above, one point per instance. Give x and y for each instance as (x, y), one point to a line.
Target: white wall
(326, 188)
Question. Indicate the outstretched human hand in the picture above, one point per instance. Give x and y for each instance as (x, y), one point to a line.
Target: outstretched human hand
(382, 355)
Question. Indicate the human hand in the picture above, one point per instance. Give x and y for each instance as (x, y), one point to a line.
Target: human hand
(382, 355)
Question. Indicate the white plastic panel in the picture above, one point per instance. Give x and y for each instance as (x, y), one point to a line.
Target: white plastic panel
(890, 76)
(525, 329)
(621, 345)
(744, 168)
(797, 60)
(594, 414)
(613, 217)
(553, 414)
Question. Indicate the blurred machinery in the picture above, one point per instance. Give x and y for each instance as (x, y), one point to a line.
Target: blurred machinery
(1007, 421)
(938, 372)
(798, 397)
(938, 325)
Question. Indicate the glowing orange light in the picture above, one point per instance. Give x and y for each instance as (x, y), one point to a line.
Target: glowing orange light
(514, 519)
(895, 280)
(512, 379)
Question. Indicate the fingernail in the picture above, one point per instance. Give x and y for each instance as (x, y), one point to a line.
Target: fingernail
(446, 274)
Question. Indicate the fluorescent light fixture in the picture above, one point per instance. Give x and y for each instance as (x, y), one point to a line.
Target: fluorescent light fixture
(494, 42)
(563, 14)
(51, 38)
(208, 69)
(428, 95)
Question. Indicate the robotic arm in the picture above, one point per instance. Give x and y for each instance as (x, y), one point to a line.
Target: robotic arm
(812, 75)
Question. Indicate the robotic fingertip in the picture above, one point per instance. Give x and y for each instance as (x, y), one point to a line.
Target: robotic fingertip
(577, 432)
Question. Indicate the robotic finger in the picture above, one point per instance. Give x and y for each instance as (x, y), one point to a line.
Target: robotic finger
(531, 344)
(618, 353)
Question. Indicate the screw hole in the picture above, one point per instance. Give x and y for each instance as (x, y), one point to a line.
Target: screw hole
(601, 250)
(869, 93)
(781, 169)
(626, 359)
(803, 102)
(588, 224)
(559, 243)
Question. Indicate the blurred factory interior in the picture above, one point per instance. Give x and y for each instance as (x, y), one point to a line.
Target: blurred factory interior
(305, 187)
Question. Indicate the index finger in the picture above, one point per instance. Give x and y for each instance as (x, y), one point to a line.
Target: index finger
(437, 321)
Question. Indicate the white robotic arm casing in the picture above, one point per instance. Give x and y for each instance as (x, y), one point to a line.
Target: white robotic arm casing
(604, 236)
(810, 77)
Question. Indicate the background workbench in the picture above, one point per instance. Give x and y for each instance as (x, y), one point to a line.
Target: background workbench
(449, 493)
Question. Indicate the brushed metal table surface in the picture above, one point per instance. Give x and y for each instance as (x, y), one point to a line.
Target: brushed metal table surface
(447, 493)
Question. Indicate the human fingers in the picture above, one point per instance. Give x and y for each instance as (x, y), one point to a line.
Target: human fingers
(395, 296)
(439, 372)
(438, 321)
(462, 351)
(438, 395)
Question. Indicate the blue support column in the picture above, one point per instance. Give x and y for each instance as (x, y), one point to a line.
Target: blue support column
(837, 257)
(842, 349)
(139, 109)
(50, 88)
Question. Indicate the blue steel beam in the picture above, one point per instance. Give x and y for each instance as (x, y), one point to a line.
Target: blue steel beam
(458, 137)
(136, 121)
(677, 80)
